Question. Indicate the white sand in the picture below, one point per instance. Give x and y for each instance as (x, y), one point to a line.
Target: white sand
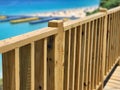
(77, 12)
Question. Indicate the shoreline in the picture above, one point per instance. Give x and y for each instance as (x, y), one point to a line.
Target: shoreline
(78, 12)
(73, 12)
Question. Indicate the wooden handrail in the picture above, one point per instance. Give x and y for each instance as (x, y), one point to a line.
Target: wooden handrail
(21, 40)
(113, 10)
(74, 23)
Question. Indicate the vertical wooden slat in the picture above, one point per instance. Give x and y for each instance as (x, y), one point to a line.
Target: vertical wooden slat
(112, 47)
(104, 48)
(119, 36)
(72, 58)
(110, 39)
(102, 45)
(93, 56)
(112, 42)
(8, 60)
(41, 64)
(25, 67)
(100, 53)
(17, 69)
(96, 51)
(51, 62)
(67, 59)
(107, 47)
(91, 50)
(86, 82)
(45, 64)
(83, 56)
(116, 39)
(78, 60)
(32, 66)
(118, 26)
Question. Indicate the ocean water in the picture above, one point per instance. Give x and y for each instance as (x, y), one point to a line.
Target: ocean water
(31, 6)
(16, 7)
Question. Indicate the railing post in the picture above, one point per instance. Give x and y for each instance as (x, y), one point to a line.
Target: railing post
(58, 54)
(104, 10)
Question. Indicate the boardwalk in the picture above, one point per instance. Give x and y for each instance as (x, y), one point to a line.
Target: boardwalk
(114, 82)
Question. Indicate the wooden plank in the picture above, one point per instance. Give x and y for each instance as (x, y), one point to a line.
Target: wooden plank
(101, 55)
(51, 63)
(114, 29)
(25, 67)
(86, 82)
(83, 56)
(117, 41)
(119, 37)
(100, 52)
(72, 58)
(118, 33)
(114, 82)
(67, 59)
(110, 39)
(113, 10)
(97, 55)
(77, 22)
(17, 69)
(8, 62)
(111, 48)
(78, 58)
(91, 50)
(41, 64)
(93, 56)
(21, 40)
(113, 42)
(108, 44)
(95, 66)
(116, 38)
(45, 64)
(118, 26)
(104, 47)
(32, 66)
(59, 53)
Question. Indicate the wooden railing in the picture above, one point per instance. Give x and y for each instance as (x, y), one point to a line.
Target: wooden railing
(75, 55)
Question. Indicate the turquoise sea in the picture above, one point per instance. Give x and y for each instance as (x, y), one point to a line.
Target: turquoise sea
(8, 30)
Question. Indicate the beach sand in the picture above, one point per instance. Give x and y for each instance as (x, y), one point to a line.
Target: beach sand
(77, 12)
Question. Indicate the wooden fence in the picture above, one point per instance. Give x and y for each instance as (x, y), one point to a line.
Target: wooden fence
(75, 55)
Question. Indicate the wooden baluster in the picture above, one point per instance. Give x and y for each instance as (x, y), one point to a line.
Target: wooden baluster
(17, 69)
(67, 59)
(32, 66)
(78, 58)
(25, 67)
(9, 72)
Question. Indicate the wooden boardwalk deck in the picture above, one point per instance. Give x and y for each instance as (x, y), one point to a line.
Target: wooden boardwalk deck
(114, 82)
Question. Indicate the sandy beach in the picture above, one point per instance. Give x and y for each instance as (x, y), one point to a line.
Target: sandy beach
(77, 12)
